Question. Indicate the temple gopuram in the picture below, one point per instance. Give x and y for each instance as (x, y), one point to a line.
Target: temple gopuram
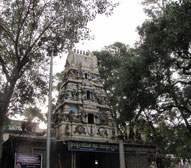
(83, 121)
(82, 118)
(82, 112)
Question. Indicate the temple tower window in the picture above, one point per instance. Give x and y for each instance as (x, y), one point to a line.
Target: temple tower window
(90, 119)
(86, 76)
(88, 95)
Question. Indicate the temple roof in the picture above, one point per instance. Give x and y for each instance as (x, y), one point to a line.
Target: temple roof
(82, 60)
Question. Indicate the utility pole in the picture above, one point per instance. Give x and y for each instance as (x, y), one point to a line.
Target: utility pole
(51, 53)
(121, 154)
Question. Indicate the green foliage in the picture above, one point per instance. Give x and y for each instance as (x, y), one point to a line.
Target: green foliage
(59, 77)
(110, 61)
(165, 47)
(164, 41)
(27, 27)
(32, 113)
(149, 86)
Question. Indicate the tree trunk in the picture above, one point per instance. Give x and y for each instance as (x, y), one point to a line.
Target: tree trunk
(1, 135)
(5, 99)
(185, 120)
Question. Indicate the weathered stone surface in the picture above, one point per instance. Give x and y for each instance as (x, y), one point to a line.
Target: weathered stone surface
(82, 111)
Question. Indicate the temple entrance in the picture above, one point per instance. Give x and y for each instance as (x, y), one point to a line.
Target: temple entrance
(90, 160)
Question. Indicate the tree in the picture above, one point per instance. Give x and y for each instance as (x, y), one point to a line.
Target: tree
(122, 72)
(27, 26)
(166, 41)
(32, 113)
(165, 47)
(109, 63)
(149, 86)
(152, 85)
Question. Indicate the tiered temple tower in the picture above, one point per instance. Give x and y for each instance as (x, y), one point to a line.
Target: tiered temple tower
(82, 112)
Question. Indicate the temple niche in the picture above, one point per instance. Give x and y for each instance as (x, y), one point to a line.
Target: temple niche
(82, 112)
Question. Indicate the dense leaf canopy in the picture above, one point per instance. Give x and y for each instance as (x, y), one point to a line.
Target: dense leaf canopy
(27, 27)
(149, 86)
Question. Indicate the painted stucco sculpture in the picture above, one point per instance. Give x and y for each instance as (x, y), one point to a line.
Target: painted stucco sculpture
(81, 111)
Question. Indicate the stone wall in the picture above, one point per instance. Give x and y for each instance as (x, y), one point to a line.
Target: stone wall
(33, 148)
(27, 145)
(138, 161)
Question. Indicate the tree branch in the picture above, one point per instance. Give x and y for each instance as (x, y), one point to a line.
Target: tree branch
(3, 64)
(182, 82)
(185, 69)
(25, 58)
(6, 30)
(137, 116)
(37, 20)
(20, 28)
(151, 125)
(182, 113)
